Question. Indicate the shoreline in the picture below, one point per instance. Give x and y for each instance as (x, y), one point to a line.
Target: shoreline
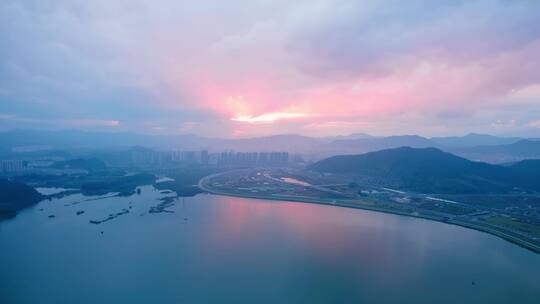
(524, 243)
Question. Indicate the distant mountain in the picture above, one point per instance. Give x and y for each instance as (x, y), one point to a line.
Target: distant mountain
(26, 140)
(429, 170)
(15, 196)
(363, 145)
(473, 139)
(33, 142)
(523, 149)
(21, 140)
(286, 142)
(351, 136)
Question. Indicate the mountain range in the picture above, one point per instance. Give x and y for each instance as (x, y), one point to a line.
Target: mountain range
(473, 146)
(519, 150)
(473, 140)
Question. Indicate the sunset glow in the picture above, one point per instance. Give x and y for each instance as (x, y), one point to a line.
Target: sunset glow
(274, 151)
(268, 117)
(309, 67)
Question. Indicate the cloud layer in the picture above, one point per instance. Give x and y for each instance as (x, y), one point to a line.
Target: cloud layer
(226, 68)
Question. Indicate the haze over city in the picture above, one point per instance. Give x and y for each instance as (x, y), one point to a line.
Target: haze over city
(252, 68)
(269, 151)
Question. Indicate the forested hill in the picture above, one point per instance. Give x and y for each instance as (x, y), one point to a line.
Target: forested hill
(431, 170)
(15, 196)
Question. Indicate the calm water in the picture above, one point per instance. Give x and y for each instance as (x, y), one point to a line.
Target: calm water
(216, 249)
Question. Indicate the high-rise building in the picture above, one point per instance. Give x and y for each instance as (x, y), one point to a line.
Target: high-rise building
(204, 158)
(12, 166)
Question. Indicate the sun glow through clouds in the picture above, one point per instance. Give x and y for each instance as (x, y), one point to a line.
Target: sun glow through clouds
(310, 67)
(268, 117)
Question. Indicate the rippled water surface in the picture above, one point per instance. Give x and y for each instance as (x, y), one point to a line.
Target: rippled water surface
(216, 249)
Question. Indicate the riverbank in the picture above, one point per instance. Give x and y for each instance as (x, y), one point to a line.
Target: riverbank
(499, 232)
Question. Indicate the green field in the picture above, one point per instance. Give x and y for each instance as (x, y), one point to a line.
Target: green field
(514, 224)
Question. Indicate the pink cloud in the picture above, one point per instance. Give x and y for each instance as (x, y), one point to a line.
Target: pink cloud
(268, 117)
(283, 66)
(534, 124)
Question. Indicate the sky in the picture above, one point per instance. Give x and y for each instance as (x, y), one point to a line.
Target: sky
(253, 68)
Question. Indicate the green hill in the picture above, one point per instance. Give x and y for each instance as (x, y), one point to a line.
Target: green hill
(430, 170)
(15, 196)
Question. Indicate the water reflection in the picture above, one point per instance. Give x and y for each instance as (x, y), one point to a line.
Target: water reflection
(222, 249)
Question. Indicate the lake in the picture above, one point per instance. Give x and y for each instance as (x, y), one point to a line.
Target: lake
(216, 249)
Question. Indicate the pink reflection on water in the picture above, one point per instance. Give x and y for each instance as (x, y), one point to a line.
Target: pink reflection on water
(320, 232)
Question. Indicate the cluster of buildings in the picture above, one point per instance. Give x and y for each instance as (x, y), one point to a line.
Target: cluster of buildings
(12, 166)
(34, 165)
(253, 158)
(161, 158)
